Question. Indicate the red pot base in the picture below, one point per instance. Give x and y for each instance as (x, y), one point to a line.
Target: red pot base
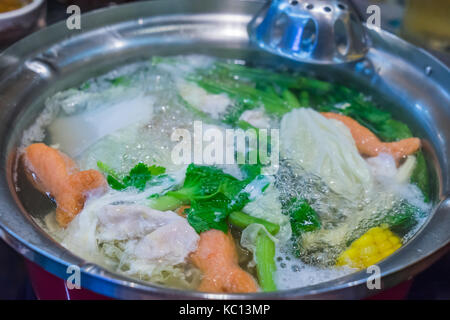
(49, 287)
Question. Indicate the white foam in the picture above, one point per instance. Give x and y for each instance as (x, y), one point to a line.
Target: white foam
(293, 273)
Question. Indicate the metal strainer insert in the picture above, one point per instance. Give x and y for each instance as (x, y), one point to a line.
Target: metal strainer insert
(313, 31)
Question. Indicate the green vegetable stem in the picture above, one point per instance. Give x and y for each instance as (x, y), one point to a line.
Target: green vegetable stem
(265, 261)
(166, 203)
(242, 220)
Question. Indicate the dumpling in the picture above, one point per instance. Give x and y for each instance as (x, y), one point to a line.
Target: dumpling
(155, 238)
(145, 238)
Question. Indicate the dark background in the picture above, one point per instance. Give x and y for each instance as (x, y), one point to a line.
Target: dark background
(434, 283)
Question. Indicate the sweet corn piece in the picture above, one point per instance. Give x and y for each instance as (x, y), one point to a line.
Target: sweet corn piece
(372, 247)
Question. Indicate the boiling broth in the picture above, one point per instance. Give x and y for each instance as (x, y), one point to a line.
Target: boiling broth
(129, 115)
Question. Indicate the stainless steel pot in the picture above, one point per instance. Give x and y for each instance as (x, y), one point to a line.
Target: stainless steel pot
(413, 85)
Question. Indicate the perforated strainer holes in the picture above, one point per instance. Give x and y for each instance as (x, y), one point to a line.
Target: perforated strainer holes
(278, 29)
(308, 36)
(327, 9)
(294, 2)
(341, 37)
(342, 6)
(309, 6)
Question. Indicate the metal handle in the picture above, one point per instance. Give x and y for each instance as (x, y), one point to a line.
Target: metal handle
(313, 31)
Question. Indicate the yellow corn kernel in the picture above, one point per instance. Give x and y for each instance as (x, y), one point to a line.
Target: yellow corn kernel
(391, 251)
(352, 253)
(369, 250)
(364, 241)
(372, 247)
(380, 237)
(374, 231)
(384, 246)
(394, 240)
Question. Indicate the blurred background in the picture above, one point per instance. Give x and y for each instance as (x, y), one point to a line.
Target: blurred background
(425, 23)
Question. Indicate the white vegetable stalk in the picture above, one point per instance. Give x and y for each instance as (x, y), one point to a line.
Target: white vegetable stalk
(325, 148)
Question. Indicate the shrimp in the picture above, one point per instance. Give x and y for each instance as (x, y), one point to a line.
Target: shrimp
(369, 145)
(217, 258)
(56, 174)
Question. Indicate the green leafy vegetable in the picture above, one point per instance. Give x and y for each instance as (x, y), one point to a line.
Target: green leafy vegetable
(246, 95)
(251, 88)
(244, 125)
(85, 86)
(232, 197)
(265, 77)
(281, 92)
(210, 214)
(121, 81)
(393, 130)
(420, 176)
(380, 122)
(158, 59)
(302, 216)
(234, 112)
(212, 194)
(203, 182)
(402, 217)
(261, 76)
(291, 99)
(115, 183)
(399, 219)
(251, 171)
(304, 99)
(137, 177)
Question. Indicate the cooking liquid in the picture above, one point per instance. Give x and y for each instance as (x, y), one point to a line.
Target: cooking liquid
(148, 140)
